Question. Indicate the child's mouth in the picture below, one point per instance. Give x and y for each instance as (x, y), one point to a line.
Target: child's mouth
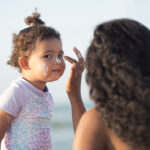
(56, 70)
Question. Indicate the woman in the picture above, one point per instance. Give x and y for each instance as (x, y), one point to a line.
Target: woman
(118, 74)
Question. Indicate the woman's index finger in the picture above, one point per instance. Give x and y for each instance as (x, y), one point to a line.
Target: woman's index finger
(78, 53)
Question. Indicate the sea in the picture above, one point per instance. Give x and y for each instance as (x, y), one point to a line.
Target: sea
(62, 128)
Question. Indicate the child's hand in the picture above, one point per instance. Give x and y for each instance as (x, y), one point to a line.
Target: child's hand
(73, 83)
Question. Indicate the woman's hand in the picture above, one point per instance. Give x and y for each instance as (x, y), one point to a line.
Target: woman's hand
(73, 84)
(73, 87)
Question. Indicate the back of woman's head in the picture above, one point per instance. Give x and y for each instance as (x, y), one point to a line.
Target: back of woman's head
(118, 73)
(24, 42)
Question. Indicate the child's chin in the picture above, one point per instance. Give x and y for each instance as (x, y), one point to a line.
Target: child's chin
(54, 79)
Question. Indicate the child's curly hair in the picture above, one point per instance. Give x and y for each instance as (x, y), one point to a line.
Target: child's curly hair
(24, 42)
(118, 73)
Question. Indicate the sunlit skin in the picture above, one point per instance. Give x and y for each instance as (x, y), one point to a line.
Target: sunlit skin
(87, 134)
(45, 63)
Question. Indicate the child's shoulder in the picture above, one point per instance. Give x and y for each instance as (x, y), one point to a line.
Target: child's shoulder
(15, 93)
(11, 99)
(12, 89)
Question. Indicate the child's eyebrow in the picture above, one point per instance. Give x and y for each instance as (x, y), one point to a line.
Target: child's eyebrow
(52, 51)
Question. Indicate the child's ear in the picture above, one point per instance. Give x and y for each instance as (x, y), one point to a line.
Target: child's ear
(23, 62)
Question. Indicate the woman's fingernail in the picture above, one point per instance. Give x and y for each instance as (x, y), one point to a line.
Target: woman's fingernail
(79, 55)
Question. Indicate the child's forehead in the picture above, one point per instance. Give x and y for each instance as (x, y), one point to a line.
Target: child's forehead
(49, 45)
(45, 47)
(48, 40)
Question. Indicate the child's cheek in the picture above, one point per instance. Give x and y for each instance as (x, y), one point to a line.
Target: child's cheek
(43, 68)
(63, 67)
(61, 62)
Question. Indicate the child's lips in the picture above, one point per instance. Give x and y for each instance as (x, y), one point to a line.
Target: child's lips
(56, 70)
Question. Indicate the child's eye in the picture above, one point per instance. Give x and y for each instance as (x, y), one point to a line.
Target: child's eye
(48, 56)
(60, 56)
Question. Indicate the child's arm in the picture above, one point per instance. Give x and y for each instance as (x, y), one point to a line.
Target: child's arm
(73, 87)
(5, 121)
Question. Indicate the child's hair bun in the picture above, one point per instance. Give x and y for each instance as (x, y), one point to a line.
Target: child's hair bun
(34, 19)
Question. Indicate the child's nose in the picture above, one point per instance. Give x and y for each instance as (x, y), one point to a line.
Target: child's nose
(57, 60)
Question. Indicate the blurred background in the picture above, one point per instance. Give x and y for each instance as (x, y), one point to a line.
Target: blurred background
(75, 20)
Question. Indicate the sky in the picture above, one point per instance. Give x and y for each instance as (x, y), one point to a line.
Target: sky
(74, 19)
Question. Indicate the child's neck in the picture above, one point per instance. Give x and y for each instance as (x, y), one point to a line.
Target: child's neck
(38, 84)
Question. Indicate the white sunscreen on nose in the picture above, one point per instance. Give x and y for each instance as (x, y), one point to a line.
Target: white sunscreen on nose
(58, 60)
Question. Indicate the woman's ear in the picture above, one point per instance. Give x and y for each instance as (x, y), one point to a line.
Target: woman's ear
(23, 62)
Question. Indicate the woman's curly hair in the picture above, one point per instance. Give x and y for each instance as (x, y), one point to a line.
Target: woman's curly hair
(118, 73)
(24, 42)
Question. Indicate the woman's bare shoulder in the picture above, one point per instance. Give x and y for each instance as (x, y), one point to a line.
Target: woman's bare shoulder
(92, 113)
(90, 132)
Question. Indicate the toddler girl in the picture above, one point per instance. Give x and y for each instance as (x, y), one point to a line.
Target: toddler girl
(26, 106)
